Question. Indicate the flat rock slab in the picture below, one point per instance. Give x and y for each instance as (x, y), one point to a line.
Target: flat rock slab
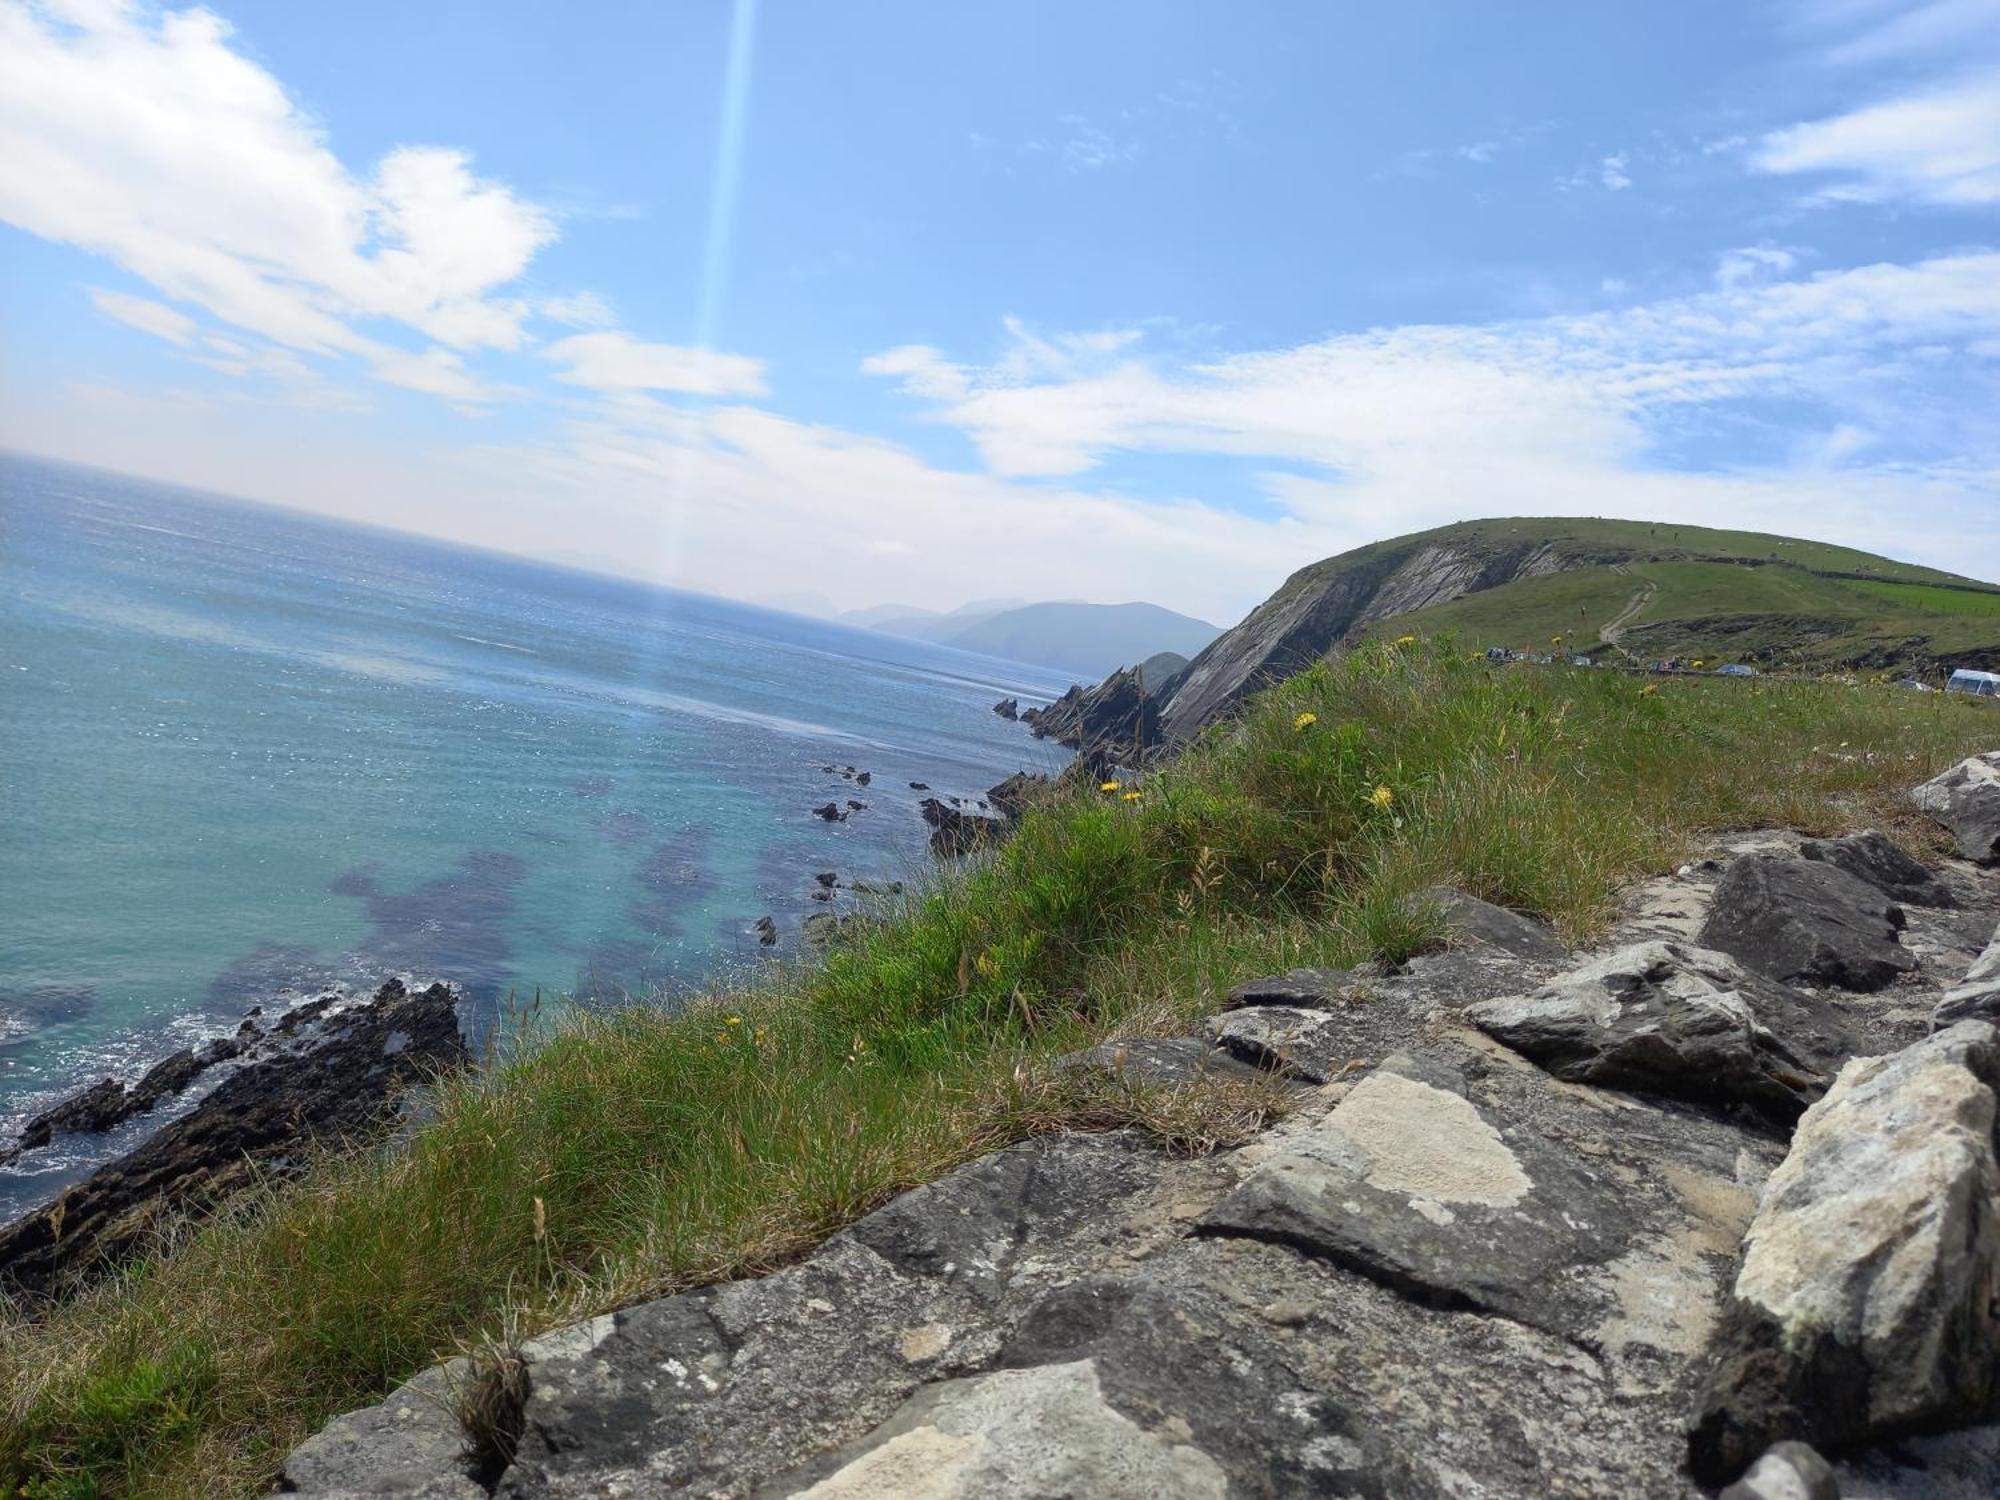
(1977, 995)
(1282, 1039)
(1162, 1060)
(1864, 1308)
(1674, 1019)
(1966, 800)
(1875, 859)
(1806, 921)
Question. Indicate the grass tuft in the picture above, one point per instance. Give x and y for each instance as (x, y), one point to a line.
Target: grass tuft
(602, 1159)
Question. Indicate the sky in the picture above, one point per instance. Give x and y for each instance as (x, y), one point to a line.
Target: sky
(839, 305)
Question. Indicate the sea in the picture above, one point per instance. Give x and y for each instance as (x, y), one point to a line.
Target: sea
(249, 755)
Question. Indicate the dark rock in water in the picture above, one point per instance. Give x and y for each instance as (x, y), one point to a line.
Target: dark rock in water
(954, 832)
(1966, 799)
(1863, 1308)
(854, 805)
(323, 1080)
(1482, 927)
(95, 1109)
(831, 812)
(920, 786)
(1008, 708)
(1805, 920)
(1013, 795)
(109, 1103)
(1874, 858)
(828, 878)
(862, 778)
(767, 932)
(1664, 1018)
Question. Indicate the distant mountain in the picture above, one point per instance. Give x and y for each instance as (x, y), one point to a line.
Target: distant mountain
(1611, 590)
(1090, 639)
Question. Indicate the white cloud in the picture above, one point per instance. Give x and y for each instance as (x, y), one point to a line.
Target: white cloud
(614, 361)
(1941, 146)
(146, 137)
(1752, 263)
(1611, 172)
(145, 315)
(578, 310)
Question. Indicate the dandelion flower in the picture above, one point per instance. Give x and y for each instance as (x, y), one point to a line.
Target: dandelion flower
(1381, 797)
(1109, 786)
(1305, 719)
(734, 1021)
(1406, 640)
(1131, 796)
(722, 1039)
(1649, 690)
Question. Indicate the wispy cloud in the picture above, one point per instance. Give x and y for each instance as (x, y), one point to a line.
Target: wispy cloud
(615, 361)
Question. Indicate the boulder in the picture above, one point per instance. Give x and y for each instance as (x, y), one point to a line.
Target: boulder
(331, 1076)
(1013, 796)
(830, 811)
(1966, 800)
(767, 932)
(1977, 995)
(1669, 1018)
(1789, 1471)
(1282, 1039)
(1865, 1307)
(1008, 708)
(1800, 920)
(1874, 858)
(1311, 988)
(1482, 927)
(955, 831)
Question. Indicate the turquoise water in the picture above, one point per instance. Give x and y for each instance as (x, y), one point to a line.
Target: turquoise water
(245, 752)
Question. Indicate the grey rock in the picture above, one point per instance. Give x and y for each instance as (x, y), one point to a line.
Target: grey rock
(1875, 858)
(1864, 1307)
(1802, 920)
(1158, 1060)
(1966, 800)
(1297, 987)
(1282, 1039)
(1977, 995)
(1483, 927)
(1670, 1018)
(411, 1445)
(1959, 1465)
(1788, 1471)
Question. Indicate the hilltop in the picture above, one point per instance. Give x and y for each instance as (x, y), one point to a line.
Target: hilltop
(1071, 636)
(1613, 590)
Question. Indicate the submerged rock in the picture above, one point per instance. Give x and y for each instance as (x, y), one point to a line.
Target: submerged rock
(1966, 800)
(1804, 920)
(1668, 1018)
(1865, 1305)
(323, 1079)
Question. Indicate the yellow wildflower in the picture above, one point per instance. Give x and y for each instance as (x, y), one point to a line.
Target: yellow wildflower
(1649, 690)
(734, 1021)
(1406, 640)
(1381, 796)
(1131, 796)
(986, 965)
(1109, 786)
(722, 1039)
(1304, 719)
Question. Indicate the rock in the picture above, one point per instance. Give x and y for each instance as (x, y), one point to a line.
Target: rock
(828, 878)
(1803, 920)
(862, 778)
(94, 1109)
(1966, 800)
(109, 1103)
(1485, 928)
(1119, 716)
(1282, 1039)
(1874, 858)
(1157, 1060)
(1669, 1018)
(855, 806)
(1788, 1471)
(920, 786)
(331, 1077)
(954, 831)
(767, 932)
(1310, 988)
(1013, 796)
(1977, 995)
(1008, 708)
(410, 1445)
(831, 812)
(1864, 1307)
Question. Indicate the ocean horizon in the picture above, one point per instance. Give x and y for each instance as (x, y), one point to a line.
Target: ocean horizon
(253, 755)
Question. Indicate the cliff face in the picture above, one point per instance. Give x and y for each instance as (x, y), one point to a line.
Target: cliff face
(1321, 606)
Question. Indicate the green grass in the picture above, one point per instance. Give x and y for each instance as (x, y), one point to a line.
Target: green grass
(1982, 604)
(613, 1158)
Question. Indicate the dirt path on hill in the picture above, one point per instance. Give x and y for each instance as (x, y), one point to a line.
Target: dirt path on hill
(1612, 631)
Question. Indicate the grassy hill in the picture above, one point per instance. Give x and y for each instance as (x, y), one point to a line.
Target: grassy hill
(615, 1157)
(1652, 592)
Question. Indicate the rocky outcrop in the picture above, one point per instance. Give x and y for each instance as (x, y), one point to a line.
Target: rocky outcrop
(1875, 859)
(1018, 793)
(1807, 921)
(1481, 927)
(1977, 995)
(1866, 1304)
(1966, 800)
(330, 1075)
(1008, 708)
(954, 831)
(1665, 1018)
(1119, 717)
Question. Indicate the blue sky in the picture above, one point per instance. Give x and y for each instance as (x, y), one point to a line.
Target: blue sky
(924, 302)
